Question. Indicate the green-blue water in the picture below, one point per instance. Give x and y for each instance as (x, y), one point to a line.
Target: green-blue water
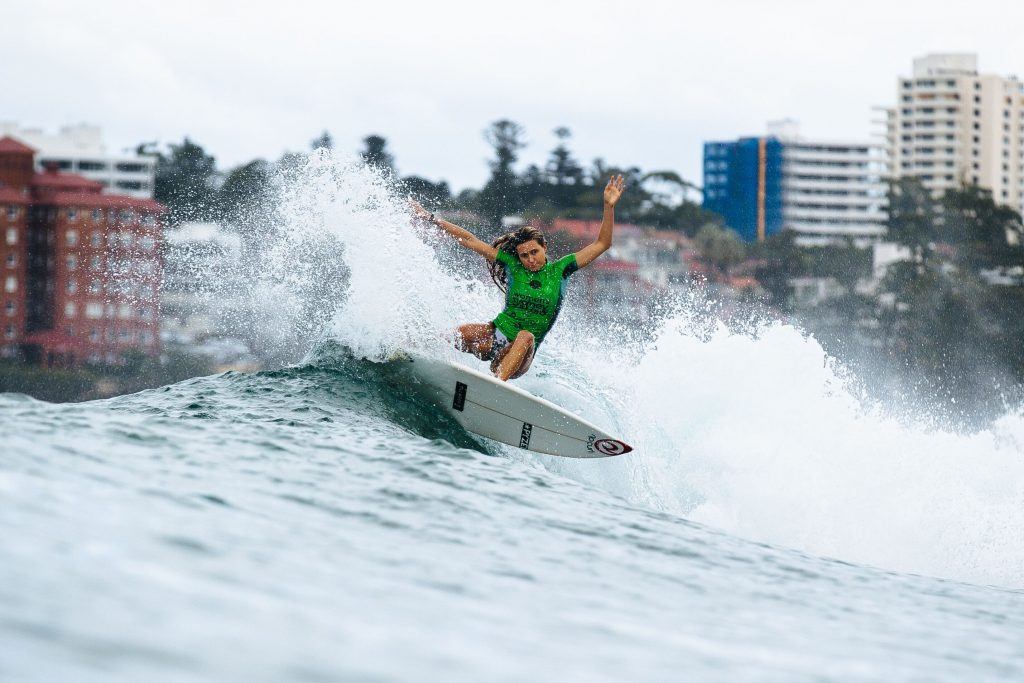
(306, 525)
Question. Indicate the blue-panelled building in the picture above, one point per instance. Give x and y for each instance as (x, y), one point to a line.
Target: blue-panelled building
(743, 184)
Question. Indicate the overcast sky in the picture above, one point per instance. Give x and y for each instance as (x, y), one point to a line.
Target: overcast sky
(642, 83)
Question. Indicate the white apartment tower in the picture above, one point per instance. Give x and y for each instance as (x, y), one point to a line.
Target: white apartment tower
(952, 125)
(830, 188)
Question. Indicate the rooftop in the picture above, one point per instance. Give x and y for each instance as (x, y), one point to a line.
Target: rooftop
(9, 145)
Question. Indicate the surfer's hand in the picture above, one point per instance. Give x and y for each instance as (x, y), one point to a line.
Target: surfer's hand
(613, 190)
(419, 211)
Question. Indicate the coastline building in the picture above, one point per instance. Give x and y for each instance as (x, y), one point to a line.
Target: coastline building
(824, 190)
(80, 149)
(80, 269)
(952, 125)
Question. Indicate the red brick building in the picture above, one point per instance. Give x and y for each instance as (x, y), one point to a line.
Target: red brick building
(80, 270)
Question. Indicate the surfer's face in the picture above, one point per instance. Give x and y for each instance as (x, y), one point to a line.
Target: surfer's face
(532, 255)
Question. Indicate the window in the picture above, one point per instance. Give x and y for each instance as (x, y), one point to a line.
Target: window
(129, 184)
(147, 242)
(95, 263)
(10, 308)
(11, 284)
(94, 286)
(71, 236)
(12, 235)
(127, 167)
(9, 332)
(72, 262)
(145, 313)
(12, 260)
(91, 166)
(146, 337)
(72, 214)
(93, 310)
(94, 334)
(72, 286)
(97, 215)
(124, 312)
(96, 239)
(70, 309)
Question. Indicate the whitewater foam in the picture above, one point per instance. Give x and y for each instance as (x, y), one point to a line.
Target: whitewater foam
(759, 433)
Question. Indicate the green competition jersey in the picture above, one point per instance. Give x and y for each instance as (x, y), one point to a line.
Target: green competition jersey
(533, 299)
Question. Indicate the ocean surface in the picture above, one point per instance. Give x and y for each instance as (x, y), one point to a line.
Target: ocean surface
(321, 523)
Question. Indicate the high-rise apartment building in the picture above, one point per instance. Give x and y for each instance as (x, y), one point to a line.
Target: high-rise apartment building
(952, 125)
(80, 149)
(80, 269)
(823, 190)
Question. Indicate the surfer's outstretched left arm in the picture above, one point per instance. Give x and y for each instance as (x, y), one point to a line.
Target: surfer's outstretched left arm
(612, 192)
(461, 235)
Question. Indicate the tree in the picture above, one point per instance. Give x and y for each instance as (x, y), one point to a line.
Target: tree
(720, 247)
(500, 196)
(427, 192)
(630, 208)
(911, 217)
(783, 260)
(324, 141)
(564, 172)
(246, 202)
(185, 180)
(376, 155)
(987, 235)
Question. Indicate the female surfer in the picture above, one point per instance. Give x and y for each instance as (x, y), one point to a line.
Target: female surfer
(533, 286)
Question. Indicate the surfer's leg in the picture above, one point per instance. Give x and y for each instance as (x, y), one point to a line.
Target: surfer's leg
(515, 358)
(476, 338)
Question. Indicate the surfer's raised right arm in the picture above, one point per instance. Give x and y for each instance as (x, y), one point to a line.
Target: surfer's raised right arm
(461, 235)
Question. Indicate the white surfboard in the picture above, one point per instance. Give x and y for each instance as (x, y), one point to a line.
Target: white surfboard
(486, 406)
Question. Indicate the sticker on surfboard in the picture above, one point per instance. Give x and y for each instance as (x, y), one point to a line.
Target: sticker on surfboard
(611, 447)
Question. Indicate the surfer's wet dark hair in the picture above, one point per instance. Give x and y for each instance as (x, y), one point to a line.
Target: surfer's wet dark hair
(509, 242)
